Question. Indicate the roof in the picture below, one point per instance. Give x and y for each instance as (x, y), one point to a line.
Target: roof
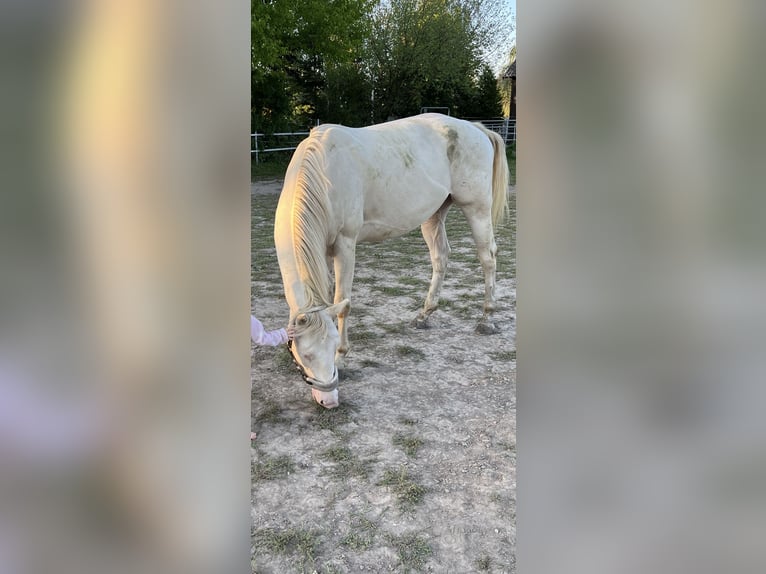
(510, 71)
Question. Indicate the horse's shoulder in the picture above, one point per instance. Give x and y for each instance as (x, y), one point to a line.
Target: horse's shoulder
(333, 134)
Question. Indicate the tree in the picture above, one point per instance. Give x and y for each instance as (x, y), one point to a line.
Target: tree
(292, 46)
(428, 53)
(488, 100)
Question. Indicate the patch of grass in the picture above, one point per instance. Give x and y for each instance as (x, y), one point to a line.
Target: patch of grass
(362, 534)
(298, 541)
(408, 421)
(371, 363)
(413, 551)
(283, 361)
(270, 412)
(408, 492)
(393, 290)
(366, 280)
(395, 328)
(347, 464)
(509, 355)
(411, 352)
(331, 419)
(408, 443)
(484, 564)
(359, 336)
(270, 166)
(506, 445)
(412, 281)
(510, 153)
(273, 468)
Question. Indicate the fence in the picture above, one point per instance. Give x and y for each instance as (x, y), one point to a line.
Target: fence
(283, 141)
(504, 126)
(288, 141)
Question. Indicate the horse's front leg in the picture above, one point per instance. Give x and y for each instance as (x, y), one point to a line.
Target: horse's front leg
(345, 256)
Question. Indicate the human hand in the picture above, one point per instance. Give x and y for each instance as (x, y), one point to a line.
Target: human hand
(290, 333)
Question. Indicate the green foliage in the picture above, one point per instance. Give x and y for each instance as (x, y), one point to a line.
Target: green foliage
(357, 62)
(292, 46)
(424, 53)
(488, 99)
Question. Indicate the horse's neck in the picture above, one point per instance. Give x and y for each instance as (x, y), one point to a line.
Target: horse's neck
(306, 282)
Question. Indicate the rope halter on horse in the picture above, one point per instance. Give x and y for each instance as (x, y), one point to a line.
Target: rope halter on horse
(309, 380)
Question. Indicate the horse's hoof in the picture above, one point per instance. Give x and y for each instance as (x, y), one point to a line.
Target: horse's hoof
(421, 323)
(487, 328)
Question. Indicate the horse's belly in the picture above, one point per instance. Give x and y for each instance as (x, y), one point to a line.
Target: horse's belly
(397, 210)
(373, 231)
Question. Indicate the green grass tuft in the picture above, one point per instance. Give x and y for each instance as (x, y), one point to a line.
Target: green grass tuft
(412, 352)
(408, 443)
(509, 355)
(331, 419)
(408, 492)
(347, 464)
(359, 336)
(362, 534)
(484, 564)
(269, 412)
(395, 328)
(413, 551)
(304, 543)
(394, 291)
(283, 361)
(272, 468)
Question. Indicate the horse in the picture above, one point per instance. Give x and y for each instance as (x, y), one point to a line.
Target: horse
(347, 185)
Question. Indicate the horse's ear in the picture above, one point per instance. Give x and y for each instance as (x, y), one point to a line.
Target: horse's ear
(339, 308)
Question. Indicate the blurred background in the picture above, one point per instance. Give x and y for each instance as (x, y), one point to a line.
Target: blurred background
(124, 371)
(123, 352)
(641, 268)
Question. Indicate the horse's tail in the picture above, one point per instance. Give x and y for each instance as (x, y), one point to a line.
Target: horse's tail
(500, 176)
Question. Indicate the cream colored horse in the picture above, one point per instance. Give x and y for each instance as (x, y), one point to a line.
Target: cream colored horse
(346, 185)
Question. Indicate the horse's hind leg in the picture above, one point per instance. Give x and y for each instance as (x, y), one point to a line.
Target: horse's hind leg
(436, 238)
(484, 236)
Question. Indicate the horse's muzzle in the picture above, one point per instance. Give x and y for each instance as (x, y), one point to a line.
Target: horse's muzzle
(325, 387)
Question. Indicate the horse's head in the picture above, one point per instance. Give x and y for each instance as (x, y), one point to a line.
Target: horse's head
(313, 348)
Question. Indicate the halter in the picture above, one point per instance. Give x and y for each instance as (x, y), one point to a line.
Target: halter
(316, 383)
(311, 381)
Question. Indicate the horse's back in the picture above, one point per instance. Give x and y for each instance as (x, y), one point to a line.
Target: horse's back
(400, 172)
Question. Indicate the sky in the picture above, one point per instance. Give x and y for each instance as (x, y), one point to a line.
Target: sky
(499, 59)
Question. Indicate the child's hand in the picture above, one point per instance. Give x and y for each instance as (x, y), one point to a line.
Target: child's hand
(290, 333)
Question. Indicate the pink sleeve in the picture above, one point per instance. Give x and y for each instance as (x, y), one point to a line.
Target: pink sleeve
(262, 337)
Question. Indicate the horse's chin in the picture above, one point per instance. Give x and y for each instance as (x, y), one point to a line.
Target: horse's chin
(327, 400)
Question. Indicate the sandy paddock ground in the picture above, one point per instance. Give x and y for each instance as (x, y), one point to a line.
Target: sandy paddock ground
(416, 470)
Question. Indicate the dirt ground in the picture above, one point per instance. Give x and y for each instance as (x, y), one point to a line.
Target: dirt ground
(415, 471)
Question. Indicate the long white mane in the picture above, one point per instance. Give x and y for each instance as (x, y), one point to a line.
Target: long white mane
(311, 217)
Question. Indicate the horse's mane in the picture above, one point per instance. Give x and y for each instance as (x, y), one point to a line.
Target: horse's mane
(310, 221)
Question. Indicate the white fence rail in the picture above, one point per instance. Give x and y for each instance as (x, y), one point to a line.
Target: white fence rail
(282, 141)
(504, 126)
